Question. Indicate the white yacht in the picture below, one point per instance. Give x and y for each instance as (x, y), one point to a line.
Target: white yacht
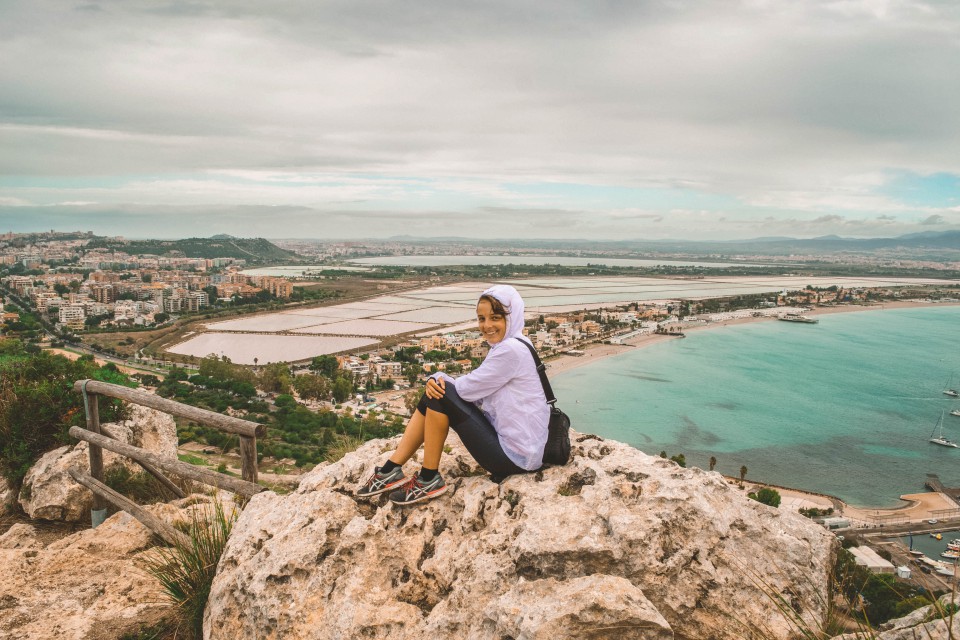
(938, 438)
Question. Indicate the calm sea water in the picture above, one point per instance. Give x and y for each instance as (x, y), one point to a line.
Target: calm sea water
(844, 407)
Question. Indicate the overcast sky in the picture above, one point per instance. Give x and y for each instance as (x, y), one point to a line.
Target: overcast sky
(549, 119)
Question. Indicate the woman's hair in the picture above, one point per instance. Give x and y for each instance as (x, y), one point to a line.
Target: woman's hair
(497, 306)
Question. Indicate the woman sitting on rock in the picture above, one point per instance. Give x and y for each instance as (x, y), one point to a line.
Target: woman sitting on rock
(506, 434)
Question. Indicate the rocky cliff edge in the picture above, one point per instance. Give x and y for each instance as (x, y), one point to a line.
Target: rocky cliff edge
(615, 544)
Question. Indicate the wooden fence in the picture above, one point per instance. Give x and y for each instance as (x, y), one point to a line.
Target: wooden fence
(101, 438)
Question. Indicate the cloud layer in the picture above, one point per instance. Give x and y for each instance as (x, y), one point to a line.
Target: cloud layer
(650, 119)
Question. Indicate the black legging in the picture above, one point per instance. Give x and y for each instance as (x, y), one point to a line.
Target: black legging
(475, 431)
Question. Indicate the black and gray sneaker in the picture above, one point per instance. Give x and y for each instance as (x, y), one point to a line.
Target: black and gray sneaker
(415, 490)
(381, 482)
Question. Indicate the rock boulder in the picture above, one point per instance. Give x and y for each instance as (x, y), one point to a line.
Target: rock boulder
(49, 493)
(8, 497)
(88, 585)
(615, 544)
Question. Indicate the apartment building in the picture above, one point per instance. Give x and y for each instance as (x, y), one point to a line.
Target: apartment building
(73, 315)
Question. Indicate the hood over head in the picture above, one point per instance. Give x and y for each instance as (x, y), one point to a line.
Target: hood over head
(512, 302)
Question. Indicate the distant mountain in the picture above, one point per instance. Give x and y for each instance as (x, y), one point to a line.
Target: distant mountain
(253, 250)
(223, 236)
(927, 243)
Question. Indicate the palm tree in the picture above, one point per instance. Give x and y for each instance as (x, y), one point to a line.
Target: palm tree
(743, 474)
(713, 462)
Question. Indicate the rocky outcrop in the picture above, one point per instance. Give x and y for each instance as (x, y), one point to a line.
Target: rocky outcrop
(615, 544)
(8, 497)
(86, 585)
(49, 493)
(152, 430)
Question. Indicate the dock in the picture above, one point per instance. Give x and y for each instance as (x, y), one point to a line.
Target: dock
(934, 484)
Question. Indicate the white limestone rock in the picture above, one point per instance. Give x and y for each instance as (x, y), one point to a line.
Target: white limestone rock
(88, 585)
(49, 493)
(82, 586)
(8, 496)
(20, 536)
(152, 430)
(616, 539)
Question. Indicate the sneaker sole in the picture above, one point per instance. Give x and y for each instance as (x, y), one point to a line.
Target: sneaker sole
(429, 496)
(392, 485)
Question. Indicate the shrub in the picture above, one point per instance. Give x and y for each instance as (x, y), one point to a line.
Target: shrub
(766, 496)
(38, 405)
(141, 487)
(341, 446)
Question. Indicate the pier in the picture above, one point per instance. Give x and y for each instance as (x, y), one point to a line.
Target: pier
(934, 484)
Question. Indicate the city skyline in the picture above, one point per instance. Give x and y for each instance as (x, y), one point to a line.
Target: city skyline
(644, 121)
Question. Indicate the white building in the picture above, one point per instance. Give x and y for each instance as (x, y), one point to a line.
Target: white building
(72, 315)
(867, 557)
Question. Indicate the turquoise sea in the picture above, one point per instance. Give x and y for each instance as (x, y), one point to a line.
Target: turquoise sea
(843, 407)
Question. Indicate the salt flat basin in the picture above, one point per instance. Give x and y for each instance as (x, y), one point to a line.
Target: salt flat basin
(343, 327)
(242, 348)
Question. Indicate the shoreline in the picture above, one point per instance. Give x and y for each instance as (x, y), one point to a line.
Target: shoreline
(914, 507)
(595, 352)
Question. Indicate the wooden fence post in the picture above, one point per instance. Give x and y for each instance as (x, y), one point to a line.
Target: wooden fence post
(248, 458)
(99, 511)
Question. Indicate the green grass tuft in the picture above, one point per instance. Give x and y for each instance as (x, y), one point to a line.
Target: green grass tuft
(185, 573)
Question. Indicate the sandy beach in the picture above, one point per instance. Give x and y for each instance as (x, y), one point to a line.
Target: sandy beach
(914, 508)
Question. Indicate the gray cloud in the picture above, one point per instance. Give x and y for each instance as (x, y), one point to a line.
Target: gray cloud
(935, 219)
(781, 107)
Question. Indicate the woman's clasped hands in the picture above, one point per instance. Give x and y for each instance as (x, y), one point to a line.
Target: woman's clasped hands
(436, 387)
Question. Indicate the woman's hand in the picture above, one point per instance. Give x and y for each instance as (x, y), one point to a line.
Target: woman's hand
(436, 387)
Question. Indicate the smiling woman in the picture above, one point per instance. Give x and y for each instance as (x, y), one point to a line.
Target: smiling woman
(499, 410)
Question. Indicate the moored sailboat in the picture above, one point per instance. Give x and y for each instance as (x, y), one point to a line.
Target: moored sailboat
(947, 391)
(938, 438)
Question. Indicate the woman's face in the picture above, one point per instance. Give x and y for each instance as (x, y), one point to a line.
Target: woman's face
(493, 326)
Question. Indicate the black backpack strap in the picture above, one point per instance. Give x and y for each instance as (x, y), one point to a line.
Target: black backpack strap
(542, 371)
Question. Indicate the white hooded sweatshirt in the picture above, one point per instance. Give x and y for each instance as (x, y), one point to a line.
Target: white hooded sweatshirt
(507, 388)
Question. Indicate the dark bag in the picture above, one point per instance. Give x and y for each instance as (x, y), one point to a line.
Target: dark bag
(557, 451)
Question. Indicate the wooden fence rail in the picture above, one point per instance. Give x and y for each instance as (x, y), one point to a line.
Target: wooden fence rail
(100, 439)
(206, 476)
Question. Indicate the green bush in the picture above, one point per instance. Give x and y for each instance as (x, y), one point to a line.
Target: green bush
(141, 487)
(38, 404)
(767, 496)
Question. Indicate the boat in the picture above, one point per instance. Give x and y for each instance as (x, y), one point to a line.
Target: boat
(947, 391)
(797, 317)
(939, 439)
(955, 412)
(951, 555)
(916, 552)
(936, 536)
(944, 571)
